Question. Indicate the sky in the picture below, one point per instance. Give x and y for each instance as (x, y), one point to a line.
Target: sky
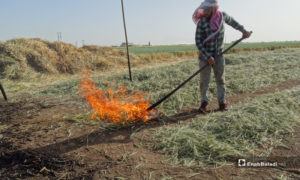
(161, 22)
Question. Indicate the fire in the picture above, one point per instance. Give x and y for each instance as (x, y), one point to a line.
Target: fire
(115, 105)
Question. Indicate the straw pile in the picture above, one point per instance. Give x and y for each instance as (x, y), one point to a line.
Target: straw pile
(23, 58)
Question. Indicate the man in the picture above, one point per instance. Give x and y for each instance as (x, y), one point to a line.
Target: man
(209, 40)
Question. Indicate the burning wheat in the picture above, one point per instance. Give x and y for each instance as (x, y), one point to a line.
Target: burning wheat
(115, 105)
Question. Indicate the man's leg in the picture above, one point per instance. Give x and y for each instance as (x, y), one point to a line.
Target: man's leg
(219, 71)
(204, 80)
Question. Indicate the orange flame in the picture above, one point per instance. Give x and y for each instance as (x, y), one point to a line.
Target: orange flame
(115, 105)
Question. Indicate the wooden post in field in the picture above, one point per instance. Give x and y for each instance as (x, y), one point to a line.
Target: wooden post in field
(126, 41)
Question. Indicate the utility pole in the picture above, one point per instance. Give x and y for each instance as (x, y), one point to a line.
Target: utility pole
(59, 37)
(130, 77)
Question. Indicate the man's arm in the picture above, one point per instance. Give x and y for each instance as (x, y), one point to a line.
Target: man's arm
(199, 38)
(233, 23)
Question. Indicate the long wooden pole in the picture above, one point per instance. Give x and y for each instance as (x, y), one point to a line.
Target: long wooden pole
(129, 68)
(3, 92)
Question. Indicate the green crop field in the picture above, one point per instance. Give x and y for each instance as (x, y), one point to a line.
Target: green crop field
(191, 47)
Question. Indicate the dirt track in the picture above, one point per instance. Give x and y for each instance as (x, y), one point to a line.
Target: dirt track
(39, 142)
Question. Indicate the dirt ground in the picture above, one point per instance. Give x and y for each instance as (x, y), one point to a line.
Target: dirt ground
(41, 139)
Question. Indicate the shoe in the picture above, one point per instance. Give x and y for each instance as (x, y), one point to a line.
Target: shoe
(223, 107)
(203, 107)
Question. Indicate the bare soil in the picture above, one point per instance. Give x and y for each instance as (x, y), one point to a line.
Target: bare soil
(40, 139)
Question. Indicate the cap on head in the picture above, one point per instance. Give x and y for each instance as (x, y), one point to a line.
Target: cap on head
(208, 4)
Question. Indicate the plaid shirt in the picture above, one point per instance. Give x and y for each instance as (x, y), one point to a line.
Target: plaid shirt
(216, 45)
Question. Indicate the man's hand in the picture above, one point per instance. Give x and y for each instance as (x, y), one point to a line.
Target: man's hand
(247, 34)
(211, 60)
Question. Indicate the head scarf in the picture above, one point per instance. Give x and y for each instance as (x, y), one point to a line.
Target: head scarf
(216, 18)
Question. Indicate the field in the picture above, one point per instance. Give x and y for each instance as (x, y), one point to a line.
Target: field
(192, 47)
(46, 131)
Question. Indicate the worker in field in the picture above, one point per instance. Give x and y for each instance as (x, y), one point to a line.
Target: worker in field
(209, 40)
